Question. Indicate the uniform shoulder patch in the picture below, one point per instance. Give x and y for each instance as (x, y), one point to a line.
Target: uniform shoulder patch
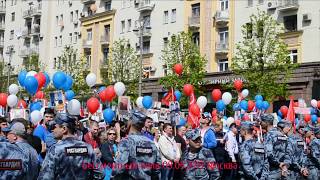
(143, 151)
(282, 138)
(10, 164)
(76, 151)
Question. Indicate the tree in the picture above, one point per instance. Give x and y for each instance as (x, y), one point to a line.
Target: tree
(262, 57)
(123, 65)
(181, 49)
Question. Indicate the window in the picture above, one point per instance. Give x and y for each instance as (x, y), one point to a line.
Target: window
(165, 43)
(11, 34)
(196, 38)
(88, 58)
(165, 17)
(70, 38)
(173, 15)
(129, 25)
(146, 20)
(165, 70)
(61, 17)
(123, 3)
(89, 35)
(224, 5)
(105, 55)
(12, 2)
(60, 41)
(249, 30)
(107, 31)
(75, 37)
(76, 15)
(250, 2)
(195, 10)
(146, 47)
(107, 5)
(54, 63)
(290, 23)
(57, 20)
(223, 35)
(55, 41)
(123, 26)
(13, 16)
(222, 65)
(71, 16)
(261, 1)
(293, 55)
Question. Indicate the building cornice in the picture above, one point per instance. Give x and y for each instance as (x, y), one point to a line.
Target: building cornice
(98, 15)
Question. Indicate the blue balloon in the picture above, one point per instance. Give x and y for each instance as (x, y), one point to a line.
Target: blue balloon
(101, 88)
(69, 95)
(21, 77)
(258, 97)
(108, 115)
(59, 78)
(31, 84)
(35, 106)
(265, 105)
(220, 105)
(147, 102)
(259, 104)
(68, 84)
(178, 94)
(47, 79)
(313, 111)
(182, 122)
(244, 105)
(314, 118)
(280, 113)
(236, 107)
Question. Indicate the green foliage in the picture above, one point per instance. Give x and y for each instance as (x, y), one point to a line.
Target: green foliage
(181, 49)
(32, 63)
(262, 57)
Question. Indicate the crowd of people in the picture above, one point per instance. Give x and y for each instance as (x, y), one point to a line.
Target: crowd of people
(61, 147)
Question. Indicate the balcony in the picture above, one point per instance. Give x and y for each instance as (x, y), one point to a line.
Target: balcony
(2, 26)
(288, 5)
(221, 17)
(194, 22)
(145, 5)
(26, 33)
(88, 1)
(35, 31)
(1, 43)
(86, 44)
(2, 10)
(27, 14)
(28, 52)
(36, 11)
(146, 32)
(105, 40)
(222, 47)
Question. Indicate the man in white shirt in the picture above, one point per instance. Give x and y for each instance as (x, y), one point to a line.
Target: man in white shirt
(170, 152)
(232, 148)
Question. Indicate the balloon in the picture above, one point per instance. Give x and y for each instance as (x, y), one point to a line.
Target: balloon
(245, 93)
(194, 109)
(69, 95)
(103, 96)
(265, 105)
(3, 99)
(251, 105)
(147, 102)
(230, 120)
(139, 102)
(31, 84)
(91, 79)
(244, 105)
(68, 83)
(40, 95)
(119, 88)
(47, 79)
(31, 73)
(110, 93)
(188, 89)
(214, 113)
(13, 89)
(41, 78)
(12, 100)
(258, 97)
(21, 77)
(314, 103)
(22, 104)
(202, 102)
(178, 68)
(259, 104)
(220, 105)
(73, 107)
(280, 113)
(59, 78)
(93, 105)
(237, 84)
(314, 118)
(36, 117)
(236, 107)
(182, 122)
(216, 95)
(284, 110)
(35, 106)
(226, 98)
(101, 88)
(307, 118)
(245, 117)
(178, 95)
(108, 115)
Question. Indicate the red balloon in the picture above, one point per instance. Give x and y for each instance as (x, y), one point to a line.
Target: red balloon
(22, 104)
(284, 110)
(318, 104)
(3, 99)
(245, 117)
(194, 109)
(93, 105)
(216, 95)
(237, 84)
(188, 89)
(103, 95)
(177, 68)
(295, 104)
(39, 95)
(110, 93)
(41, 79)
(251, 105)
(307, 118)
(214, 113)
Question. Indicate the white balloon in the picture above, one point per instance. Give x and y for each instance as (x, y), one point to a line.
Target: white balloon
(245, 93)
(230, 120)
(13, 89)
(119, 87)
(12, 100)
(36, 117)
(73, 107)
(91, 79)
(226, 98)
(314, 103)
(202, 102)
(31, 73)
(139, 102)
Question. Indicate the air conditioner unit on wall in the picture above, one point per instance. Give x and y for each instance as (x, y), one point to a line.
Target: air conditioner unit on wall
(271, 5)
(306, 17)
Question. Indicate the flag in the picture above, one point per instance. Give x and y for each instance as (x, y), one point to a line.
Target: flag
(169, 97)
(291, 114)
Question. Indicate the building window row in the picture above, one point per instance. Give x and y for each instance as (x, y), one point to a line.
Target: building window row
(74, 16)
(250, 2)
(173, 16)
(73, 38)
(123, 25)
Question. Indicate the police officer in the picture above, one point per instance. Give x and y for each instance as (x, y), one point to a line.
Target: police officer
(69, 158)
(137, 156)
(199, 161)
(254, 162)
(314, 153)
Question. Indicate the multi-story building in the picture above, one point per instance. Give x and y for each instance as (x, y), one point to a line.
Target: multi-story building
(2, 27)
